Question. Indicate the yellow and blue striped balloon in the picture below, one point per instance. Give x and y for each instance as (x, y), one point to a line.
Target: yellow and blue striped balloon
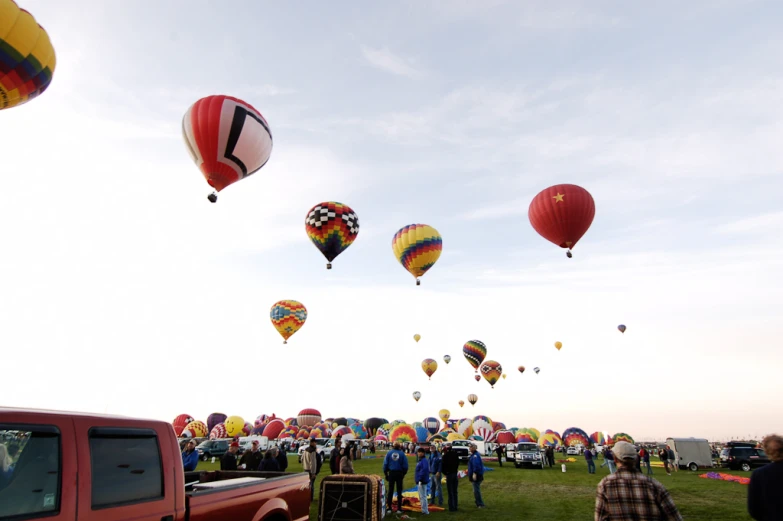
(417, 247)
(27, 57)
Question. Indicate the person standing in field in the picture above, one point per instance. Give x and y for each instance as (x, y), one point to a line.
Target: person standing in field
(436, 487)
(422, 477)
(590, 462)
(765, 492)
(630, 495)
(346, 464)
(476, 474)
(310, 465)
(334, 457)
(251, 459)
(664, 455)
(499, 451)
(450, 466)
(609, 460)
(645, 454)
(395, 466)
(673, 459)
(229, 459)
(550, 456)
(190, 456)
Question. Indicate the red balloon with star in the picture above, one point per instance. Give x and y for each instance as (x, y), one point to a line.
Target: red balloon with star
(562, 214)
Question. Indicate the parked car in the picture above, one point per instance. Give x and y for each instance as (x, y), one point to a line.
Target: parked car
(461, 447)
(743, 457)
(528, 453)
(212, 448)
(322, 445)
(98, 467)
(573, 451)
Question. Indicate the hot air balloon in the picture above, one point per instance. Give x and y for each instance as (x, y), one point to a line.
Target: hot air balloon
(431, 424)
(234, 426)
(477, 377)
(227, 138)
(308, 417)
(444, 415)
(180, 422)
(215, 418)
(332, 227)
(447, 358)
(474, 351)
(491, 372)
(521, 368)
(27, 59)
(429, 366)
(195, 429)
(461, 403)
(472, 399)
(504, 376)
(562, 214)
(416, 395)
(417, 337)
(622, 328)
(536, 369)
(417, 247)
(558, 345)
(288, 316)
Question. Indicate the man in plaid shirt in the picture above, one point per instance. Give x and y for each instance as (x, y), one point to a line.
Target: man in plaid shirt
(629, 495)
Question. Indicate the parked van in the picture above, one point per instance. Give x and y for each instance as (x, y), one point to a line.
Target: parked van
(245, 442)
(693, 453)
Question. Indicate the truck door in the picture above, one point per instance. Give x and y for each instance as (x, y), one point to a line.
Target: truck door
(122, 473)
(40, 481)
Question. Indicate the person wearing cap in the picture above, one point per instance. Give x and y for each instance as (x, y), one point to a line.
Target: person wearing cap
(190, 456)
(334, 457)
(476, 474)
(310, 465)
(765, 500)
(629, 494)
(449, 467)
(436, 488)
(229, 459)
(251, 459)
(395, 466)
(422, 478)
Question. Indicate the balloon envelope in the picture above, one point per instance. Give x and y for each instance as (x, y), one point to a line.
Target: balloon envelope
(27, 59)
(416, 395)
(429, 366)
(558, 345)
(288, 316)
(521, 368)
(562, 214)
(472, 399)
(417, 337)
(447, 359)
(227, 138)
(621, 327)
(491, 372)
(474, 352)
(417, 247)
(332, 227)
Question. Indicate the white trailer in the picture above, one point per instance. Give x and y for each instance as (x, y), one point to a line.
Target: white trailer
(693, 453)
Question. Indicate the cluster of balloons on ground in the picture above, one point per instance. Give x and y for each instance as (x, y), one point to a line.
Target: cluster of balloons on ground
(308, 424)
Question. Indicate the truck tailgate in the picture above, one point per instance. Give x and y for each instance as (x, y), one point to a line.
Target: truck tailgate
(287, 496)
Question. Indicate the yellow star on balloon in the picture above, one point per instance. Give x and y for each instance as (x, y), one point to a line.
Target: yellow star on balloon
(559, 197)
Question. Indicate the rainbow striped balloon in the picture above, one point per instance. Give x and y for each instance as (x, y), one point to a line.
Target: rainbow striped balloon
(27, 58)
(417, 247)
(475, 351)
(288, 316)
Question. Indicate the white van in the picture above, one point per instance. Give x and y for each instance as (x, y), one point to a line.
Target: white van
(693, 453)
(246, 441)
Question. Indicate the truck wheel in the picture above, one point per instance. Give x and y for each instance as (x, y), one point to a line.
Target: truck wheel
(693, 467)
(745, 467)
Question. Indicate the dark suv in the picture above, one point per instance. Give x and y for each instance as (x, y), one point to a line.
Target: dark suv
(210, 448)
(742, 457)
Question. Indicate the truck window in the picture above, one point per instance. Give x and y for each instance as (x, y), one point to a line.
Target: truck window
(126, 466)
(29, 470)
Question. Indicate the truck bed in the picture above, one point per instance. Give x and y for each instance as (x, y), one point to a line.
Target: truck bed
(287, 493)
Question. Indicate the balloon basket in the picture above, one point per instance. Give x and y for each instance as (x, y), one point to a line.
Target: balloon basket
(328, 265)
(212, 197)
(569, 254)
(418, 282)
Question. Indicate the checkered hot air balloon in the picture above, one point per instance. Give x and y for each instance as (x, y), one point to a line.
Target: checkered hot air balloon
(288, 316)
(227, 138)
(417, 247)
(27, 58)
(332, 227)
(474, 352)
(491, 372)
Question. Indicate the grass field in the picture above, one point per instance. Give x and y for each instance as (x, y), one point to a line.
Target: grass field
(511, 493)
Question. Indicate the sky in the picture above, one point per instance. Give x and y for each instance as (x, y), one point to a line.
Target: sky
(125, 291)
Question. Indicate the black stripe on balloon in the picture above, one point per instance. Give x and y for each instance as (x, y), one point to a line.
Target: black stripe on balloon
(237, 123)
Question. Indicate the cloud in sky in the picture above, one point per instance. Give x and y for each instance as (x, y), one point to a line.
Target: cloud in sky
(119, 274)
(386, 60)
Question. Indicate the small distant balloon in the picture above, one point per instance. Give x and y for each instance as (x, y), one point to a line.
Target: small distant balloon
(472, 398)
(461, 403)
(477, 377)
(521, 368)
(416, 395)
(429, 366)
(504, 376)
(621, 327)
(536, 369)
(558, 345)
(444, 415)
(447, 359)
(417, 337)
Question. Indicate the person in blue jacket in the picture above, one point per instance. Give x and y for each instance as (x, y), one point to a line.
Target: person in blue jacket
(476, 474)
(436, 488)
(395, 466)
(422, 477)
(190, 456)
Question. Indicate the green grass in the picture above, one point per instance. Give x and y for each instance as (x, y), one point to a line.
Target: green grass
(511, 493)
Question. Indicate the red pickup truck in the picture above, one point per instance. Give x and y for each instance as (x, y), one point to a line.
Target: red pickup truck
(89, 467)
